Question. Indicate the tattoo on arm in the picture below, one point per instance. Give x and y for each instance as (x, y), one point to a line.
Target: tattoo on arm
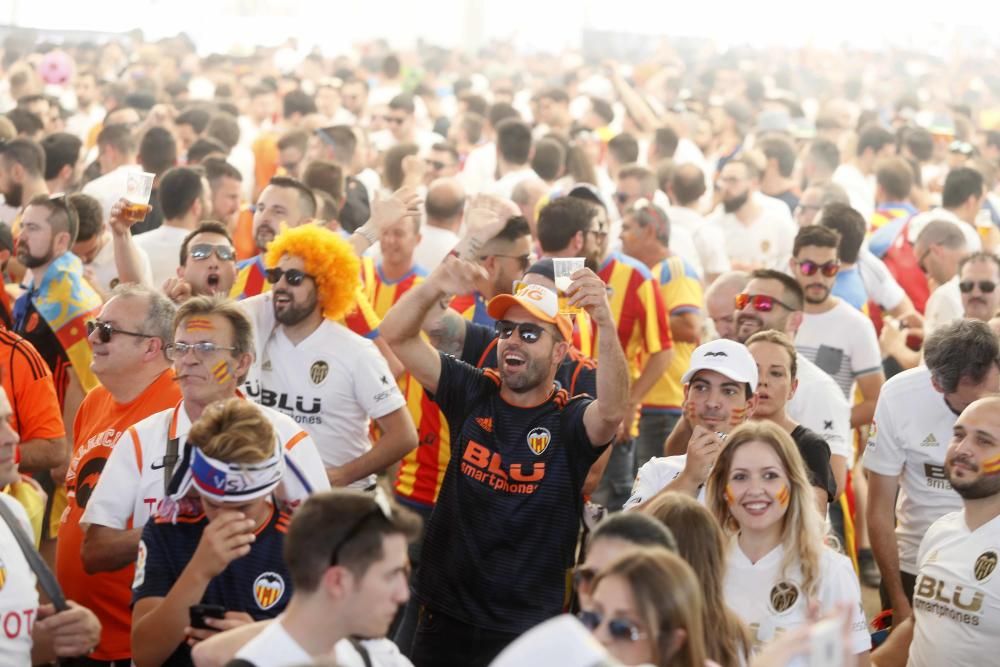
(448, 334)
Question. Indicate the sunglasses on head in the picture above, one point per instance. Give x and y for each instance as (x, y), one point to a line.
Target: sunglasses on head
(620, 629)
(105, 331)
(760, 302)
(985, 286)
(809, 268)
(201, 251)
(528, 332)
(293, 277)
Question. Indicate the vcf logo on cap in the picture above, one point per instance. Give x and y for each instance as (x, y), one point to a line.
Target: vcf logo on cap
(726, 357)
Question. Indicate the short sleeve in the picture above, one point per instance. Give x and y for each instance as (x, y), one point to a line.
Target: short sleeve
(113, 499)
(816, 455)
(460, 385)
(35, 402)
(822, 408)
(682, 293)
(375, 388)
(656, 328)
(363, 320)
(653, 477)
(866, 358)
(477, 341)
(841, 587)
(154, 572)
(306, 473)
(884, 454)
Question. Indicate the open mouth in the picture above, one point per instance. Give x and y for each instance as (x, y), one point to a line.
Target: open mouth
(756, 507)
(514, 360)
(213, 280)
(282, 299)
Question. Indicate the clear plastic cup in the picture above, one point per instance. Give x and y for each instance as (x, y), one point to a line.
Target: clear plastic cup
(562, 269)
(138, 188)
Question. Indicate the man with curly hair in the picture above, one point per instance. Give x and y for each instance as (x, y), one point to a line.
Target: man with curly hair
(315, 369)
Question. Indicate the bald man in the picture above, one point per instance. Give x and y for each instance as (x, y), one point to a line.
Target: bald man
(720, 302)
(445, 206)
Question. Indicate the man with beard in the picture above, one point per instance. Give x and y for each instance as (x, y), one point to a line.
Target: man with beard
(571, 227)
(22, 174)
(978, 279)
(208, 264)
(505, 528)
(757, 236)
(906, 452)
(316, 370)
(956, 601)
(52, 315)
(833, 335)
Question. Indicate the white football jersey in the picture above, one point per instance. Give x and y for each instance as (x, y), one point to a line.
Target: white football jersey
(654, 476)
(820, 406)
(18, 597)
(131, 484)
(909, 438)
(771, 602)
(331, 383)
(956, 601)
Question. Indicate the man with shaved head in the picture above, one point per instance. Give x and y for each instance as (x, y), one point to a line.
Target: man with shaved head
(685, 189)
(526, 195)
(939, 249)
(445, 208)
(720, 302)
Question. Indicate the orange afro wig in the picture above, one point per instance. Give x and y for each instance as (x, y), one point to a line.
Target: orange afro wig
(328, 258)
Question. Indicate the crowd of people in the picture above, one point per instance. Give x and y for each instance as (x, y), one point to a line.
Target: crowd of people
(332, 396)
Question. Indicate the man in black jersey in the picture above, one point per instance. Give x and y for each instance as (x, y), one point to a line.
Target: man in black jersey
(503, 535)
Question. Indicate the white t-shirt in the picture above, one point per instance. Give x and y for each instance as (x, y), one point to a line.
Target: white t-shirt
(109, 188)
(973, 242)
(880, 284)
(956, 602)
(163, 247)
(943, 306)
(504, 187)
(131, 484)
(909, 438)
(331, 383)
(106, 273)
(770, 601)
(654, 476)
(842, 342)
(274, 647)
(18, 597)
(479, 170)
(708, 238)
(435, 244)
(764, 243)
(820, 406)
(860, 189)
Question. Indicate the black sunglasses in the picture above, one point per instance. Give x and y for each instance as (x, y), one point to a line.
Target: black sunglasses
(105, 331)
(382, 509)
(985, 286)
(528, 332)
(293, 277)
(620, 629)
(204, 250)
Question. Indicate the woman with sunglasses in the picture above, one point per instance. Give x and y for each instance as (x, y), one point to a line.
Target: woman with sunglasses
(777, 562)
(646, 608)
(701, 543)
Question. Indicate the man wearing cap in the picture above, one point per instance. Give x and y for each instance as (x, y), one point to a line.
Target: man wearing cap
(719, 395)
(504, 531)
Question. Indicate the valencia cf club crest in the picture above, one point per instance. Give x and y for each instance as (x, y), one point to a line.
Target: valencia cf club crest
(268, 589)
(318, 372)
(538, 440)
(784, 595)
(985, 565)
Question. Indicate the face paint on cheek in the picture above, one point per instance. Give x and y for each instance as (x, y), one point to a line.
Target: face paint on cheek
(689, 410)
(730, 496)
(200, 324)
(737, 416)
(991, 466)
(221, 372)
(783, 496)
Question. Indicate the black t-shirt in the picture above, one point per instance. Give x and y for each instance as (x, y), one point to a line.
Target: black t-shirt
(502, 539)
(816, 454)
(577, 373)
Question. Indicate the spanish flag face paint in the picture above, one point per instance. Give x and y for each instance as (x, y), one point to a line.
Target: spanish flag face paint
(737, 416)
(991, 466)
(199, 324)
(783, 496)
(220, 372)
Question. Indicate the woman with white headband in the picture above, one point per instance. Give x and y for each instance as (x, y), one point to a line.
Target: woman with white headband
(217, 540)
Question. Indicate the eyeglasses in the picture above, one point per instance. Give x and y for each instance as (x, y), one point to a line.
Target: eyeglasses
(382, 508)
(175, 351)
(760, 302)
(293, 277)
(809, 268)
(985, 286)
(528, 332)
(105, 331)
(620, 629)
(522, 260)
(202, 251)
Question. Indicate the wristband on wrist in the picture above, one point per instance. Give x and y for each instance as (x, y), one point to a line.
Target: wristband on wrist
(367, 233)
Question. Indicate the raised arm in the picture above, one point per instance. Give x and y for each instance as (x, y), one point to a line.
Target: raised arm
(386, 212)
(128, 262)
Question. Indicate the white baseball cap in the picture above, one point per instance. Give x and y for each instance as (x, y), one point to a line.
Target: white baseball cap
(726, 357)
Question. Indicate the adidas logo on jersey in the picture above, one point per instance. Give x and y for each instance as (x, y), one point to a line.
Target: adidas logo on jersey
(929, 441)
(485, 423)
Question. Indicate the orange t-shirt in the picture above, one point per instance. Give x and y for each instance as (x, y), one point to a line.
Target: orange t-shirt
(243, 239)
(99, 423)
(28, 384)
(266, 160)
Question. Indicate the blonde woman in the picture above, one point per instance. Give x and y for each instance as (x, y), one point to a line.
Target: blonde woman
(701, 543)
(646, 608)
(777, 564)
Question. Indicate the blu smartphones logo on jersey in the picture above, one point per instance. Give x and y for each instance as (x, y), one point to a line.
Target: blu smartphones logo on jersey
(295, 406)
(957, 602)
(486, 466)
(937, 477)
(268, 589)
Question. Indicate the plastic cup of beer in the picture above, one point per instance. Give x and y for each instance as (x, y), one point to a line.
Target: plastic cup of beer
(138, 187)
(562, 269)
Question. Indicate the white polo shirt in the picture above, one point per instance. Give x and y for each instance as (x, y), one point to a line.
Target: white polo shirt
(18, 597)
(131, 483)
(331, 383)
(909, 439)
(820, 406)
(956, 601)
(771, 601)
